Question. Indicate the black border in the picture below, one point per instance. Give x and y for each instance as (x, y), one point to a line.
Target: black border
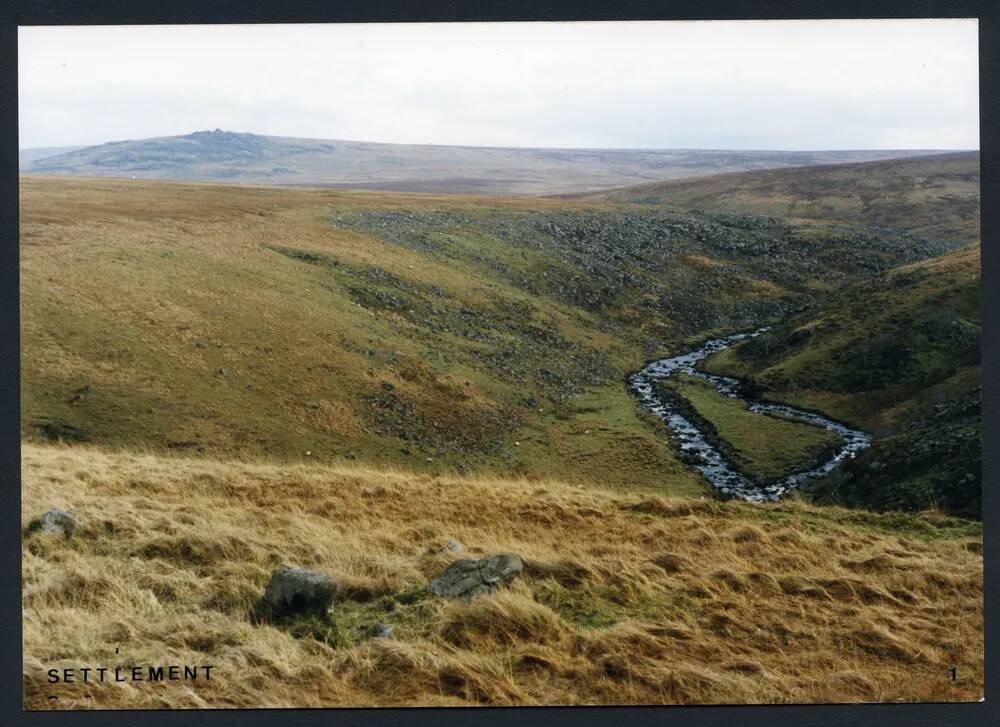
(67, 12)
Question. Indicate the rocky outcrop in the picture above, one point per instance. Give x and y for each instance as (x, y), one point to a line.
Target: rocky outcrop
(450, 546)
(472, 577)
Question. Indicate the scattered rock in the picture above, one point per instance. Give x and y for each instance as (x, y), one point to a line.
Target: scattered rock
(383, 631)
(222, 372)
(471, 577)
(298, 591)
(58, 522)
(450, 546)
(78, 395)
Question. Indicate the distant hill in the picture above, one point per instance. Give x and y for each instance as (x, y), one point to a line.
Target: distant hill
(934, 196)
(27, 157)
(240, 157)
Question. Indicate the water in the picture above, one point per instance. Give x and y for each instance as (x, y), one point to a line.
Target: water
(719, 472)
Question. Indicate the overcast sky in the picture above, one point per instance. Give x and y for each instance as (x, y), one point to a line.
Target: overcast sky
(724, 85)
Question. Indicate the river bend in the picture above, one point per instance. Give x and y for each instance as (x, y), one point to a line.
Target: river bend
(716, 468)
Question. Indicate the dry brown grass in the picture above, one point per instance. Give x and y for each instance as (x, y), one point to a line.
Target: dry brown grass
(624, 600)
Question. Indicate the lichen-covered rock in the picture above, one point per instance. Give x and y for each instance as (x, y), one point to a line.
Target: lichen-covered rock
(298, 591)
(450, 546)
(471, 577)
(58, 522)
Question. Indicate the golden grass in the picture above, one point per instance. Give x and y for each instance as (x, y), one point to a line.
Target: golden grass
(624, 600)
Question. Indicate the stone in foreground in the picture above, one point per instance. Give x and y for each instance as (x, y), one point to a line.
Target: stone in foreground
(298, 591)
(471, 577)
(58, 522)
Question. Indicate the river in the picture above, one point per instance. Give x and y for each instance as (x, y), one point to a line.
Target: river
(719, 472)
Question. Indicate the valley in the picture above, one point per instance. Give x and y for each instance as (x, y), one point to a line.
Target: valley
(439, 333)
(218, 380)
(753, 450)
(628, 364)
(898, 357)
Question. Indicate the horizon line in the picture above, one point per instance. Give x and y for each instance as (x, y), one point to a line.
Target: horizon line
(510, 147)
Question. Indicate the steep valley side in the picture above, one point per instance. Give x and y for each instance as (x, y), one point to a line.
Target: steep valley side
(436, 333)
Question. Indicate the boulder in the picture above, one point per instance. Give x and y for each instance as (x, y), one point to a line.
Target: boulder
(471, 577)
(58, 522)
(297, 591)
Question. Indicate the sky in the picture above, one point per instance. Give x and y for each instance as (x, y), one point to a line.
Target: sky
(822, 84)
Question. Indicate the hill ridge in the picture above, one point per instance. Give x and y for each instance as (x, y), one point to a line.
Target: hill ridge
(248, 157)
(935, 195)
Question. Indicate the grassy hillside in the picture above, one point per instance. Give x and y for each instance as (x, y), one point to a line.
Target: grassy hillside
(241, 157)
(934, 196)
(439, 333)
(626, 599)
(897, 355)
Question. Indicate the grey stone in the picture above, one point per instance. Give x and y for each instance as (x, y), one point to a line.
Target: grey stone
(450, 546)
(58, 522)
(471, 577)
(297, 591)
(383, 631)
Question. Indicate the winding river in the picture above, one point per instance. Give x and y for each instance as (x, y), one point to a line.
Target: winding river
(719, 472)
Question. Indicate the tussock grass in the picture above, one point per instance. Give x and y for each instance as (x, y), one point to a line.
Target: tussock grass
(623, 600)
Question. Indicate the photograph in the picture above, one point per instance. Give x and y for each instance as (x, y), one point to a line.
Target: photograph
(499, 364)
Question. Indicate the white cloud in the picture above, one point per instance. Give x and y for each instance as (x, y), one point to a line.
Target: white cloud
(750, 84)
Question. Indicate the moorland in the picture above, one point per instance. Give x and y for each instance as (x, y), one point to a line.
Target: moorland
(218, 378)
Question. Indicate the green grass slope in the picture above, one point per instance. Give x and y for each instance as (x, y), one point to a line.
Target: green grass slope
(764, 446)
(435, 333)
(897, 355)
